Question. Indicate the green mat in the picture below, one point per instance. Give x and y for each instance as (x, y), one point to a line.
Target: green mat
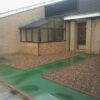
(32, 83)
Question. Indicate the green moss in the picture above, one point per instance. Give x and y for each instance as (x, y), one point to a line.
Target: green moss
(30, 88)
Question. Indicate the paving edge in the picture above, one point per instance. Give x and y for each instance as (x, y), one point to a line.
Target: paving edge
(19, 67)
(76, 89)
(17, 90)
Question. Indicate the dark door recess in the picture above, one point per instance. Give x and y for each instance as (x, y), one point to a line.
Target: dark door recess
(81, 34)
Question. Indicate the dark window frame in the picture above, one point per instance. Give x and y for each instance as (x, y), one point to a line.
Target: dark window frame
(39, 35)
(27, 35)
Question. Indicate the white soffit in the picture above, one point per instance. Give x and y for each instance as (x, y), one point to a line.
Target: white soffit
(80, 16)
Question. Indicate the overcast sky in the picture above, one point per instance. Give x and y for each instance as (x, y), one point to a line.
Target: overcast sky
(7, 5)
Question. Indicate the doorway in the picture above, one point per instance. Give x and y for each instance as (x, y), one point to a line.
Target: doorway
(81, 35)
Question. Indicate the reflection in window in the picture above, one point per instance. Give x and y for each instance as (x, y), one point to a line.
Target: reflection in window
(59, 36)
(23, 35)
(35, 35)
(29, 36)
(51, 35)
(44, 35)
(59, 23)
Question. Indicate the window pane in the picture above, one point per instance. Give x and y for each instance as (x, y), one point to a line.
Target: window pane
(35, 35)
(51, 35)
(51, 24)
(29, 35)
(45, 26)
(44, 35)
(59, 35)
(59, 23)
(64, 35)
(23, 35)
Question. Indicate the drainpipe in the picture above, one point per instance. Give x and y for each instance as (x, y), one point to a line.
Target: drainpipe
(65, 35)
(39, 38)
(38, 49)
(91, 38)
(68, 35)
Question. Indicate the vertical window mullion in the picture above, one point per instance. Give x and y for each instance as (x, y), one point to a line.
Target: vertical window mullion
(39, 35)
(20, 34)
(31, 35)
(55, 31)
(48, 32)
(54, 34)
(64, 35)
(26, 34)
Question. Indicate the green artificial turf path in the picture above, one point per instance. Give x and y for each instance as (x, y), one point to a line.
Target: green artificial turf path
(32, 82)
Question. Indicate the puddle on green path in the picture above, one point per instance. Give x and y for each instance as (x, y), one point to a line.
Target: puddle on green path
(32, 83)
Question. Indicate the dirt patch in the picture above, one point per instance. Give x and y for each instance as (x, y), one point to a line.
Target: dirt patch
(3, 60)
(83, 76)
(26, 61)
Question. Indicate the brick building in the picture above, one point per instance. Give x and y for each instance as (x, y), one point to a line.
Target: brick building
(69, 25)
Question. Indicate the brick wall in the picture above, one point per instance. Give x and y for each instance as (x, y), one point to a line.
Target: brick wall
(43, 48)
(29, 48)
(52, 48)
(9, 29)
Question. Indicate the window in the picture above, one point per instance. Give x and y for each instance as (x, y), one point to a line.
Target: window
(35, 35)
(56, 35)
(59, 23)
(23, 35)
(59, 35)
(44, 35)
(53, 31)
(51, 35)
(29, 36)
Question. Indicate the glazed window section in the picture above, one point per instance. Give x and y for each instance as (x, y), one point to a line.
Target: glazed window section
(49, 32)
(35, 35)
(23, 35)
(29, 35)
(44, 35)
(56, 35)
(59, 36)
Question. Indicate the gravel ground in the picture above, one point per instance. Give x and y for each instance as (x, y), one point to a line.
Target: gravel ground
(26, 61)
(83, 76)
